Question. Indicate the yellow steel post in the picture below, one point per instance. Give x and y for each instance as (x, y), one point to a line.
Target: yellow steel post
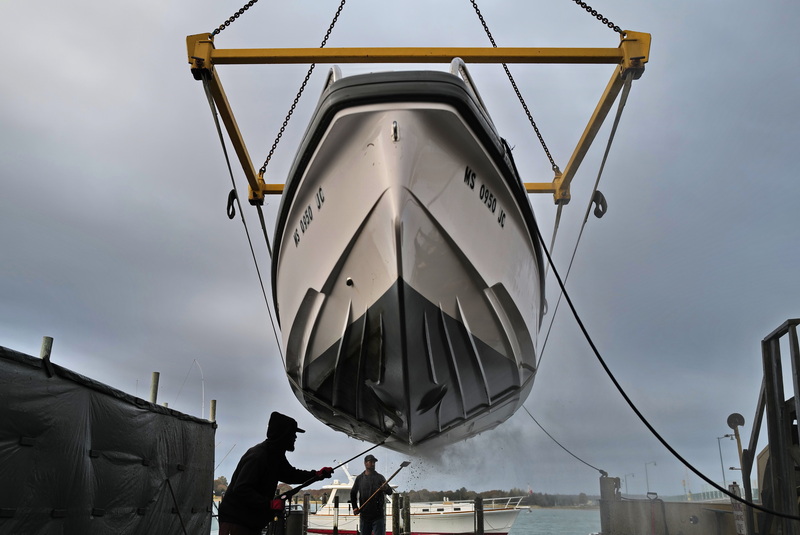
(561, 183)
(634, 51)
(200, 48)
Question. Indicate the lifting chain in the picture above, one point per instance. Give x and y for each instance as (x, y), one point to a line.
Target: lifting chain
(600, 17)
(517, 91)
(299, 93)
(233, 17)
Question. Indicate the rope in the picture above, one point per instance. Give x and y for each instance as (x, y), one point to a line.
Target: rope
(178, 509)
(299, 93)
(603, 472)
(633, 407)
(226, 456)
(263, 170)
(269, 310)
(264, 229)
(516, 89)
(623, 99)
(556, 224)
(562, 286)
(235, 196)
(175, 401)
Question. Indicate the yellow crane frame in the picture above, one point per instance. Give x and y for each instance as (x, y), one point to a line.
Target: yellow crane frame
(630, 57)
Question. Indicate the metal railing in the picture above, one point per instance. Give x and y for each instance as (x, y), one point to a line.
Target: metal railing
(779, 491)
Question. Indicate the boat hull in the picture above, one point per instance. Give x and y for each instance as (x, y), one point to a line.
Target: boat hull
(496, 522)
(427, 518)
(406, 273)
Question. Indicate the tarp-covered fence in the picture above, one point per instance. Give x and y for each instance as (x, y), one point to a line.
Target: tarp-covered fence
(77, 456)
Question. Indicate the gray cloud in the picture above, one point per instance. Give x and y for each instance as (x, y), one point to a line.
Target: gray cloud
(115, 242)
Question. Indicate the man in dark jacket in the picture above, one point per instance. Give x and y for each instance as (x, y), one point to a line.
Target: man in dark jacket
(247, 506)
(370, 484)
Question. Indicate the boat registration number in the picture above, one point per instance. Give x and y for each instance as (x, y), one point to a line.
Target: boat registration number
(485, 195)
(307, 216)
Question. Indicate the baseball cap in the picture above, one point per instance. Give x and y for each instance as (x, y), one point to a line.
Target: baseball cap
(280, 424)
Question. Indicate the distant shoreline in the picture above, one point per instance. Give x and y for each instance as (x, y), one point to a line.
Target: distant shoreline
(578, 507)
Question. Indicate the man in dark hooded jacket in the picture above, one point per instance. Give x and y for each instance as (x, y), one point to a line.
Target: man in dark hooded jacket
(247, 506)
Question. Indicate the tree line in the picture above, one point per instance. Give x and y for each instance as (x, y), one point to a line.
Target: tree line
(535, 499)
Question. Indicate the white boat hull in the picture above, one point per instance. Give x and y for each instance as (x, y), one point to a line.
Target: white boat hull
(407, 278)
(427, 518)
(451, 523)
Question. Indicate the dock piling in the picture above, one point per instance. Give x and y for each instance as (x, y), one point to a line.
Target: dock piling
(478, 515)
(395, 514)
(154, 387)
(44, 354)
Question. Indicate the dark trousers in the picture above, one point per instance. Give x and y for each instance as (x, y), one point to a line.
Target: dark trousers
(372, 526)
(226, 528)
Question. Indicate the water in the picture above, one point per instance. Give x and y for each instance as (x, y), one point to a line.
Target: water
(541, 522)
(557, 522)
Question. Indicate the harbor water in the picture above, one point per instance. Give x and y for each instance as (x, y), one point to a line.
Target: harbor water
(549, 521)
(542, 522)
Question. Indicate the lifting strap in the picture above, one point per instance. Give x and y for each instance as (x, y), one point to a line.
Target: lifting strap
(596, 198)
(234, 196)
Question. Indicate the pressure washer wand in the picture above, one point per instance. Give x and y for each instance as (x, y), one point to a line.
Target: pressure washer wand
(291, 492)
(360, 454)
(402, 465)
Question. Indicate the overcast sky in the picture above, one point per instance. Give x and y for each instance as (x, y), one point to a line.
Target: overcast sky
(114, 238)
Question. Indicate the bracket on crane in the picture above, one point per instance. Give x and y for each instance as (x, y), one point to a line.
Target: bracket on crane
(630, 57)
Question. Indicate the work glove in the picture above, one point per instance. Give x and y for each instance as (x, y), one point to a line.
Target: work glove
(324, 472)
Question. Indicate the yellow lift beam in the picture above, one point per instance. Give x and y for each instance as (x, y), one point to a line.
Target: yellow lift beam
(630, 57)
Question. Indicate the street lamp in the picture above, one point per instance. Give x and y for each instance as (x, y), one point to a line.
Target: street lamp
(727, 435)
(647, 479)
(626, 481)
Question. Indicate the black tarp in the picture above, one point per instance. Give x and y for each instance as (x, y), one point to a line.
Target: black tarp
(79, 457)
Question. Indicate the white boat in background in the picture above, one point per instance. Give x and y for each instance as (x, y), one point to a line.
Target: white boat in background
(427, 518)
(407, 272)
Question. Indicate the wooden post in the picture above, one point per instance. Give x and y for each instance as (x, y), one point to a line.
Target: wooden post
(609, 496)
(44, 354)
(395, 514)
(47, 347)
(406, 514)
(306, 507)
(212, 411)
(479, 515)
(154, 387)
(335, 515)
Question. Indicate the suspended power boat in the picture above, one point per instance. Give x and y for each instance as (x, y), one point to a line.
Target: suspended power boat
(407, 274)
(406, 270)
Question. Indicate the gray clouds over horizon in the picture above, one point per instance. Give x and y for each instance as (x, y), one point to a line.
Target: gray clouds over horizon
(115, 241)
